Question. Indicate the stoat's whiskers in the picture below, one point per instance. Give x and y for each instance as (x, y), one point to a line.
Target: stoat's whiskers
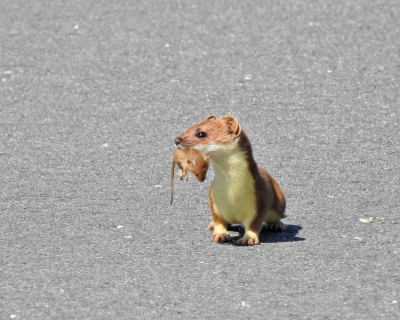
(218, 167)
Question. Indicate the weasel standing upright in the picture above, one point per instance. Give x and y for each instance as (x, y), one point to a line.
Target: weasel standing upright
(240, 192)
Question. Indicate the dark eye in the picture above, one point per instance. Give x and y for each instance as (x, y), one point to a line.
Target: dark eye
(201, 134)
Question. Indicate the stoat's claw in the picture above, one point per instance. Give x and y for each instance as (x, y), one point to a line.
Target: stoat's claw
(246, 241)
(277, 226)
(225, 237)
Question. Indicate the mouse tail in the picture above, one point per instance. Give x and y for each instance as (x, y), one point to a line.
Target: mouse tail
(172, 180)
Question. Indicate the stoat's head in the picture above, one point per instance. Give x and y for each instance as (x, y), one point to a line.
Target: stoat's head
(210, 135)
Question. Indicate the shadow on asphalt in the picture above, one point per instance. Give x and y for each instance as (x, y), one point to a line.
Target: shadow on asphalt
(290, 235)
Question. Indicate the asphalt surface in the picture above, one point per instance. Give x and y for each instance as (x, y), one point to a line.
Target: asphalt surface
(92, 94)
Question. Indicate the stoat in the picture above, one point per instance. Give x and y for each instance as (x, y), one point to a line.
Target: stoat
(240, 192)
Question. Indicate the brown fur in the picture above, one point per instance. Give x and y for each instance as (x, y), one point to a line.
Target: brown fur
(189, 160)
(219, 132)
(225, 131)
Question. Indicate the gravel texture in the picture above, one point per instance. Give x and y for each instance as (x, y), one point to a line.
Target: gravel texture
(92, 94)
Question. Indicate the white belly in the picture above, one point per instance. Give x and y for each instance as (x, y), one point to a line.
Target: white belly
(233, 189)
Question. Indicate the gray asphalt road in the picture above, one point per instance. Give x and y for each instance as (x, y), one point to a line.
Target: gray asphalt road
(92, 94)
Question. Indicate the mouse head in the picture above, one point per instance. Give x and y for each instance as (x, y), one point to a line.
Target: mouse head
(199, 167)
(210, 135)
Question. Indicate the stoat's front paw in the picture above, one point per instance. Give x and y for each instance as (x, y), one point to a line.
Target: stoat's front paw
(224, 237)
(247, 241)
(211, 226)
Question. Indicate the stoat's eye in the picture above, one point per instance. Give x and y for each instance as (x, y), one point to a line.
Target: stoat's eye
(201, 134)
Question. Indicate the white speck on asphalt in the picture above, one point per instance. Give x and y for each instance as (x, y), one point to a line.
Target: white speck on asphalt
(119, 227)
(366, 220)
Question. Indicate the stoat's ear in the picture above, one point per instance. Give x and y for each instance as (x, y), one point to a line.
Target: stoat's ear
(209, 118)
(232, 124)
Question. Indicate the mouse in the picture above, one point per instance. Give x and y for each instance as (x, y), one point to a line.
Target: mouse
(189, 160)
(241, 192)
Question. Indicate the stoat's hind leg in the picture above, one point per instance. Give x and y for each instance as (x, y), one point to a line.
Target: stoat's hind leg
(274, 215)
(273, 221)
(277, 226)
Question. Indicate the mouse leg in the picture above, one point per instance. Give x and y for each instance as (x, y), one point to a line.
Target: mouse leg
(219, 226)
(180, 173)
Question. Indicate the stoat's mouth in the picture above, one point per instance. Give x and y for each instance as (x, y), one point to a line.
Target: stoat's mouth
(183, 147)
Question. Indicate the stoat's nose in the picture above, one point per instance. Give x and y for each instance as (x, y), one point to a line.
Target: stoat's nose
(177, 141)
